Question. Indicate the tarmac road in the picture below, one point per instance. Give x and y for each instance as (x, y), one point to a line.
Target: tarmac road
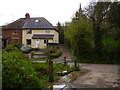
(99, 76)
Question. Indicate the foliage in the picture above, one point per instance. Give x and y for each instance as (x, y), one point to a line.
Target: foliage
(19, 73)
(42, 70)
(10, 47)
(93, 34)
(61, 33)
(15, 45)
(53, 52)
(57, 52)
(79, 34)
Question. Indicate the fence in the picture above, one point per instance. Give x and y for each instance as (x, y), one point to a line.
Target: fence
(51, 63)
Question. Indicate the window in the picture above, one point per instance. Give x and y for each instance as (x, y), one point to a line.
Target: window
(45, 41)
(15, 32)
(36, 21)
(28, 31)
(47, 31)
(28, 41)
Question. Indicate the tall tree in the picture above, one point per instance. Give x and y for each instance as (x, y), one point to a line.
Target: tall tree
(113, 17)
(78, 32)
(97, 14)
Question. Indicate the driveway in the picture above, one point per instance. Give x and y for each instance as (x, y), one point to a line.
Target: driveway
(98, 76)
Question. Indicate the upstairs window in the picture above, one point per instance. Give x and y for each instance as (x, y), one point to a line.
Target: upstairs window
(28, 31)
(28, 41)
(47, 31)
(15, 32)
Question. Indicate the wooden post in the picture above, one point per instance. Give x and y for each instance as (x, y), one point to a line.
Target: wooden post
(31, 55)
(65, 62)
(75, 63)
(50, 68)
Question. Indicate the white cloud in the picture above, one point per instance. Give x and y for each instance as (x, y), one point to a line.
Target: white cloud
(52, 10)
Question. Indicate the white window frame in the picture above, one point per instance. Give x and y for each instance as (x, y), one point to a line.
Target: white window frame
(15, 32)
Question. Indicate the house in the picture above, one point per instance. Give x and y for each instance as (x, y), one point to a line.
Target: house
(12, 32)
(34, 32)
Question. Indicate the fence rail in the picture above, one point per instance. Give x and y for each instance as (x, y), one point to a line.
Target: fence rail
(62, 61)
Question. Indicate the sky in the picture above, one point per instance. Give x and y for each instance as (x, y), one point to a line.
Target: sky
(53, 10)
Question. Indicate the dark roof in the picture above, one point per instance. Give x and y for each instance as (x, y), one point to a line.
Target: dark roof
(42, 36)
(37, 23)
(15, 25)
(30, 23)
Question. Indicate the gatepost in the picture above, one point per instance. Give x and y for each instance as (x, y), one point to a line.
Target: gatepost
(50, 68)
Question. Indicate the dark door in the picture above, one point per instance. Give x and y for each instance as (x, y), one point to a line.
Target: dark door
(4, 43)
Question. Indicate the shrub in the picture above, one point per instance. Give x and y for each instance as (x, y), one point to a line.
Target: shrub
(53, 52)
(15, 45)
(56, 53)
(18, 72)
(10, 47)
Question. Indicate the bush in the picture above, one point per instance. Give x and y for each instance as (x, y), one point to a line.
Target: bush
(10, 47)
(18, 72)
(56, 53)
(15, 45)
(53, 52)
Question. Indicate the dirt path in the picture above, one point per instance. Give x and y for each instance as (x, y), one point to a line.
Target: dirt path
(65, 53)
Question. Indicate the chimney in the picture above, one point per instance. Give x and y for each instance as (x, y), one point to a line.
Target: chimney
(27, 15)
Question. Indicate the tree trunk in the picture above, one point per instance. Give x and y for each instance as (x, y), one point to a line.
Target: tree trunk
(97, 40)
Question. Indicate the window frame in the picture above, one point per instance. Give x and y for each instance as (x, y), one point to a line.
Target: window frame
(47, 31)
(15, 32)
(27, 42)
(29, 32)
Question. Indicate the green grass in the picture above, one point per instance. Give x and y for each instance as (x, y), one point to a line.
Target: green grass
(43, 68)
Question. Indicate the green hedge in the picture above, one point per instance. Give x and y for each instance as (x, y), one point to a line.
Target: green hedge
(18, 72)
(56, 54)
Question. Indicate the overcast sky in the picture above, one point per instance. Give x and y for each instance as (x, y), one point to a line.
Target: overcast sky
(52, 10)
